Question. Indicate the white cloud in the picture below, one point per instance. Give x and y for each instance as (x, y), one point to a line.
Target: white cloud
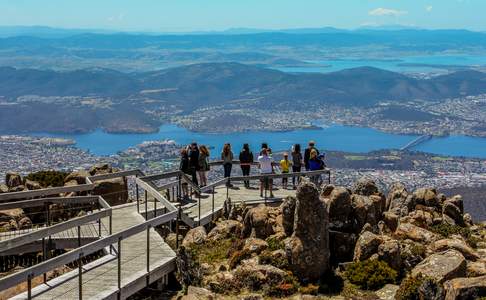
(429, 8)
(387, 12)
(117, 18)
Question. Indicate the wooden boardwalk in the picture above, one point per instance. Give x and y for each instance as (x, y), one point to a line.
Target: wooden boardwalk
(100, 280)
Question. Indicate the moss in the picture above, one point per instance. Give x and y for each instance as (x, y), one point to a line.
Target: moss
(309, 289)
(418, 250)
(274, 243)
(288, 287)
(447, 230)
(351, 291)
(409, 288)
(48, 178)
(238, 257)
(267, 258)
(212, 251)
(370, 274)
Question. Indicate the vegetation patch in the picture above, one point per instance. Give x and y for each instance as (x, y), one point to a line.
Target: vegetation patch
(212, 251)
(275, 244)
(447, 230)
(370, 274)
(267, 258)
(48, 178)
(410, 287)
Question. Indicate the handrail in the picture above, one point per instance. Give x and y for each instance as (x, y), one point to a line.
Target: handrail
(95, 178)
(45, 192)
(54, 200)
(76, 254)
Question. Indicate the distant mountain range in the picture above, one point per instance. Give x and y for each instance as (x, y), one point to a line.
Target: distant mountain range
(200, 85)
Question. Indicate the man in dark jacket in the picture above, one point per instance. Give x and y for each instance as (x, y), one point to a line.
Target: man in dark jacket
(246, 159)
(194, 161)
(312, 146)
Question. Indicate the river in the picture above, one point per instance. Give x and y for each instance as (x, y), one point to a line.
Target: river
(335, 137)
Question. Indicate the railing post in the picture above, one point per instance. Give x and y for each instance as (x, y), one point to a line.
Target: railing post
(99, 227)
(137, 196)
(29, 286)
(79, 236)
(212, 204)
(199, 207)
(44, 256)
(146, 206)
(179, 209)
(119, 268)
(148, 255)
(111, 232)
(155, 208)
(266, 186)
(80, 276)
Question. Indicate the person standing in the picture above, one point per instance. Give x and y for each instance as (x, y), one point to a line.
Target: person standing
(296, 163)
(285, 164)
(194, 161)
(246, 159)
(186, 169)
(203, 165)
(315, 164)
(312, 146)
(227, 158)
(265, 164)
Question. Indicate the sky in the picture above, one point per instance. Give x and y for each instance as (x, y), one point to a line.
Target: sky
(204, 15)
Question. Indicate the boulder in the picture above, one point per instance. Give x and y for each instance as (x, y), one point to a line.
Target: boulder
(253, 245)
(391, 220)
(451, 209)
(114, 191)
(13, 180)
(257, 223)
(476, 268)
(3, 188)
(308, 247)
(288, 211)
(339, 206)
(366, 246)
(365, 187)
(366, 210)
(442, 266)
(32, 185)
(427, 197)
(24, 223)
(396, 200)
(467, 219)
(78, 176)
(225, 229)
(100, 169)
(456, 244)
(196, 293)
(415, 233)
(457, 201)
(421, 218)
(195, 236)
(256, 277)
(388, 292)
(342, 246)
(389, 252)
(15, 214)
(465, 288)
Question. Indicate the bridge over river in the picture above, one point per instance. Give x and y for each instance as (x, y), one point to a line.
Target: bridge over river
(416, 142)
(135, 255)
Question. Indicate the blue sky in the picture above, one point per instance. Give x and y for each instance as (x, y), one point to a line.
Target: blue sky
(194, 15)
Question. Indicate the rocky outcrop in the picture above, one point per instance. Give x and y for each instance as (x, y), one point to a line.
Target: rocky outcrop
(308, 247)
(365, 187)
(453, 210)
(367, 245)
(114, 191)
(13, 180)
(340, 209)
(225, 229)
(465, 288)
(195, 236)
(78, 176)
(456, 244)
(288, 212)
(389, 252)
(415, 233)
(442, 266)
(397, 200)
(258, 222)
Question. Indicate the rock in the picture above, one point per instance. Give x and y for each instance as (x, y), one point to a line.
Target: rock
(366, 246)
(421, 218)
(457, 201)
(388, 292)
(15, 214)
(32, 185)
(415, 233)
(411, 254)
(342, 246)
(456, 244)
(396, 200)
(8, 226)
(18, 188)
(257, 223)
(467, 219)
(196, 293)
(288, 211)
(339, 206)
(24, 223)
(171, 240)
(389, 252)
(465, 288)
(453, 211)
(442, 266)
(391, 220)
(114, 191)
(255, 277)
(78, 176)
(225, 229)
(366, 210)
(253, 245)
(365, 187)
(427, 197)
(476, 268)
(327, 190)
(100, 169)
(431, 290)
(13, 179)
(195, 236)
(3, 188)
(308, 247)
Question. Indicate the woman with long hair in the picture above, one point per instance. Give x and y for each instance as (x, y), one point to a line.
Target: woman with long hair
(203, 165)
(246, 159)
(296, 163)
(185, 167)
(227, 158)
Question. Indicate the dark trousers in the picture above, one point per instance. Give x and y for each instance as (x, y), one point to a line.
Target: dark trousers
(194, 176)
(246, 172)
(227, 171)
(296, 170)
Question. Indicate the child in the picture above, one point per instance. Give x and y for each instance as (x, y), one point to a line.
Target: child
(285, 165)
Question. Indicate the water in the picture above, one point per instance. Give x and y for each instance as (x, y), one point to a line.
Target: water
(340, 138)
(438, 63)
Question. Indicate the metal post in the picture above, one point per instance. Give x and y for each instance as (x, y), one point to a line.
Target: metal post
(44, 256)
(227, 191)
(29, 286)
(146, 206)
(119, 267)
(79, 236)
(199, 207)
(177, 226)
(99, 227)
(212, 209)
(266, 185)
(329, 177)
(155, 208)
(80, 276)
(148, 255)
(137, 195)
(111, 232)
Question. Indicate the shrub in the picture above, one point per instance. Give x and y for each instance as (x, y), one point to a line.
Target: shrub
(446, 230)
(212, 251)
(418, 287)
(48, 178)
(288, 287)
(370, 274)
(274, 243)
(238, 257)
(309, 289)
(267, 258)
